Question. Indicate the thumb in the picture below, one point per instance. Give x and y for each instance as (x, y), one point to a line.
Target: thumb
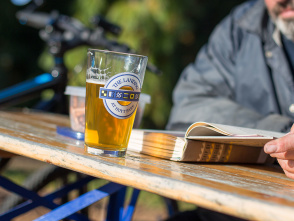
(280, 145)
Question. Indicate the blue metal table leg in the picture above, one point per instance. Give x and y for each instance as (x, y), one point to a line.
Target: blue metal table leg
(116, 205)
(129, 211)
(172, 206)
(36, 200)
(81, 202)
(115, 210)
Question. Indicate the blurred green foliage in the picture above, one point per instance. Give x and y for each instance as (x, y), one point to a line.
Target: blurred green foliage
(170, 33)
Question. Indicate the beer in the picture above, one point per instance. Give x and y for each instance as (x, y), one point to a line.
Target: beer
(102, 130)
(113, 86)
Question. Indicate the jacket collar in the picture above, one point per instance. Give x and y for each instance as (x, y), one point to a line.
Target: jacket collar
(254, 18)
(257, 20)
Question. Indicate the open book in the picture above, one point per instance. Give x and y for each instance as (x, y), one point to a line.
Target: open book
(205, 142)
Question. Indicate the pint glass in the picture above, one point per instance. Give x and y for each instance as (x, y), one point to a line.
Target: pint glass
(113, 85)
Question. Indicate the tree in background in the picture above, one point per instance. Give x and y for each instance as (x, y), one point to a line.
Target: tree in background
(170, 33)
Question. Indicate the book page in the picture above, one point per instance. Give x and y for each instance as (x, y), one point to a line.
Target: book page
(212, 129)
(156, 152)
(164, 140)
(169, 132)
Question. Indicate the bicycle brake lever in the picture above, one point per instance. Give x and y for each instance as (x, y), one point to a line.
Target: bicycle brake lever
(100, 21)
(36, 20)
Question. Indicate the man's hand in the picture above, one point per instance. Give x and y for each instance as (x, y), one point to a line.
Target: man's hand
(283, 150)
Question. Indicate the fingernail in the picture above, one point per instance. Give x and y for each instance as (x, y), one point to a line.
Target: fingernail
(270, 148)
(291, 163)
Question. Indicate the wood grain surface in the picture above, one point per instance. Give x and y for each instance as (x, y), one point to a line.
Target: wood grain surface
(254, 192)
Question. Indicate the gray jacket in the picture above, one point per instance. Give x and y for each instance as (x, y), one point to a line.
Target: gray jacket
(241, 77)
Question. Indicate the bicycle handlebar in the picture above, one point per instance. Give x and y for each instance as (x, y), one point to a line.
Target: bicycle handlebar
(63, 33)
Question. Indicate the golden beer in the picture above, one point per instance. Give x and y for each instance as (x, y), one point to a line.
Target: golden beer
(102, 130)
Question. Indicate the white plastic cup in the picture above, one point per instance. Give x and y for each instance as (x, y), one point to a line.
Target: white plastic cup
(76, 107)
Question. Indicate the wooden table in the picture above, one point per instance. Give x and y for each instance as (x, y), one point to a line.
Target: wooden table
(252, 192)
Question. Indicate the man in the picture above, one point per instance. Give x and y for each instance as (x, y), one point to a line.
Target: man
(244, 75)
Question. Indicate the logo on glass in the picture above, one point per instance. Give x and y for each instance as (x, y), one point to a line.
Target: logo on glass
(121, 94)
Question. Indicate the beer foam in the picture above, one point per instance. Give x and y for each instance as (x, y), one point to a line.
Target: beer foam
(95, 81)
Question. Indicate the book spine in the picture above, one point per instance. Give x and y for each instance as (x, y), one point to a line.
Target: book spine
(214, 152)
(199, 151)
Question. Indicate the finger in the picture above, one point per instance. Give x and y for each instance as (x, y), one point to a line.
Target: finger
(288, 155)
(290, 175)
(282, 144)
(287, 166)
(292, 129)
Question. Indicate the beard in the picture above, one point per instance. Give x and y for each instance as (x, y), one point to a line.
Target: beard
(285, 26)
